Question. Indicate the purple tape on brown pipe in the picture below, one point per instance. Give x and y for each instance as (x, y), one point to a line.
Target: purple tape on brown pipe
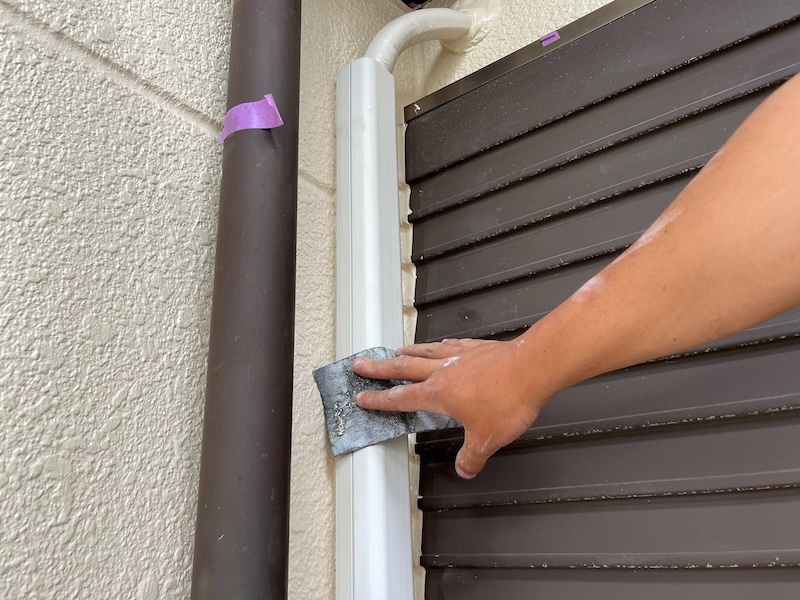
(262, 114)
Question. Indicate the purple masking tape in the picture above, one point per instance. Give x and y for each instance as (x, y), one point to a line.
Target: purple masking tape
(550, 38)
(262, 114)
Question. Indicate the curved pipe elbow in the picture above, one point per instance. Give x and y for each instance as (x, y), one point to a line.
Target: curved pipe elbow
(417, 27)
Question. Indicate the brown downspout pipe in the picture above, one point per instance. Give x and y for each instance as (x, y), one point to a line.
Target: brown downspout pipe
(242, 536)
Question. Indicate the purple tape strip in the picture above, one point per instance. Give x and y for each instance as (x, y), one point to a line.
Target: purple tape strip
(262, 114)
(550, 38)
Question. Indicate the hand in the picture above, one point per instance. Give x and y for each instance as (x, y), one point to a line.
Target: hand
(490, 387)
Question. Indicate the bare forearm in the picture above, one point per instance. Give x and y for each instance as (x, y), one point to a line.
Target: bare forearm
(723, 257)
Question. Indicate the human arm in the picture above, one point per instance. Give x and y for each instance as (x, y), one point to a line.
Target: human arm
(723, 257)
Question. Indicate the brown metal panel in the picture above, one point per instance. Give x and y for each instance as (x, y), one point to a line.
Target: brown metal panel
(601, 228)
(664, 153)
(504, 308)
(669, 473)
(654, 39)
(668, 98)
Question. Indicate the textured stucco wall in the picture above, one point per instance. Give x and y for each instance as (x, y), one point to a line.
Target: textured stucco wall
(108, 187)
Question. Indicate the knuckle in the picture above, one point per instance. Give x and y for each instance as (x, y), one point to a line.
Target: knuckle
(401, 364)
(430, 350)
(432, 391)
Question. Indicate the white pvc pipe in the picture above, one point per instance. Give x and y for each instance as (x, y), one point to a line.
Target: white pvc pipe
(374, 556)
(373, 503)
(416, 27)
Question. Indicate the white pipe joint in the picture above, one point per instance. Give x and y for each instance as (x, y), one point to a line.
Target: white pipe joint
(416, 27)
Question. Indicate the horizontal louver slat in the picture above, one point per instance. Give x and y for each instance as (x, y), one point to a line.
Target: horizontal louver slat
(612, 584)
(504, 308)
(698, 458)
(746, 529)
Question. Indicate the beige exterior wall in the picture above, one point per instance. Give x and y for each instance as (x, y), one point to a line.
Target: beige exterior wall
(108, 189)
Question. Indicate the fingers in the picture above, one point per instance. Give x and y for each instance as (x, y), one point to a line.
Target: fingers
(443, 349)
(466, 343)
(473, 455)
(410, 368)
(433, 350)
(401, 398)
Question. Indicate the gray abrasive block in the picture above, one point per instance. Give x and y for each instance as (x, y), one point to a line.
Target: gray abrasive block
(351, 427)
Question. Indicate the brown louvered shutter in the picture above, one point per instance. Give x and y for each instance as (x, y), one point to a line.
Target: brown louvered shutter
(675, 479)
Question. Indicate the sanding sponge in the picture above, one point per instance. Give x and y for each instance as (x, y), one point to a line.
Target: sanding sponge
(351, 427)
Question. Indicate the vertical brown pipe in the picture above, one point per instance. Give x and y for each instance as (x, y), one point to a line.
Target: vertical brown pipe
(242, 537)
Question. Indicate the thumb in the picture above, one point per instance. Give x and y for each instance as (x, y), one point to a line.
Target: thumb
(473, 456)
